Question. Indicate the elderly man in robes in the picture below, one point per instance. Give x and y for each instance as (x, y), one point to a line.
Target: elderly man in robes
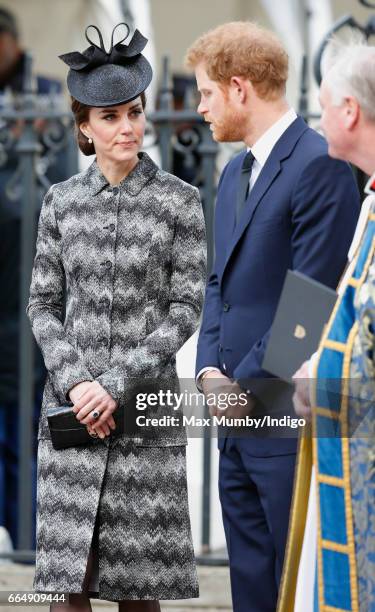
(330, 561)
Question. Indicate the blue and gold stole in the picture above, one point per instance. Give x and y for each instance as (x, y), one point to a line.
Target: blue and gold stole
(336, 562)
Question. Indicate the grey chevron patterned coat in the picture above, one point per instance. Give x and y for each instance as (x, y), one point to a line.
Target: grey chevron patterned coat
(130, 261)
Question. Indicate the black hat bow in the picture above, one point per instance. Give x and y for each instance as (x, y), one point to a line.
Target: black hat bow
(95, 55)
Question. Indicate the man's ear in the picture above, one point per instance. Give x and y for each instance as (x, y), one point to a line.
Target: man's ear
(239, 87)
(352, 112)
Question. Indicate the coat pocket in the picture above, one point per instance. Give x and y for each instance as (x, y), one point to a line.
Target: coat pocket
(160, 442)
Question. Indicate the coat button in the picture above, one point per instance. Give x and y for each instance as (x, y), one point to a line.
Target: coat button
(104, 301)
(226, 307)
(112, 227)
(103, 341)
(108, 265)
(115, 190)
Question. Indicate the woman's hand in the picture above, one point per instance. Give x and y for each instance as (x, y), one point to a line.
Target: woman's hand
(93, 399)
(76, 392)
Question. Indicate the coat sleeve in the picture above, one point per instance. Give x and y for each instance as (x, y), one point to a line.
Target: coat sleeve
(324, 214)
(45, 307)
(187, 281)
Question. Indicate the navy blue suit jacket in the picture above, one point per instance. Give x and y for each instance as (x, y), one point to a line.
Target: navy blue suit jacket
(301, 214)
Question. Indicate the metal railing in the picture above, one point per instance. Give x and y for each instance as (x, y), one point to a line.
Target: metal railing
(184, 131)
(35, 132)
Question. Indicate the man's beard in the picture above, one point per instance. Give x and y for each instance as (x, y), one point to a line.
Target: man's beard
(230, 128)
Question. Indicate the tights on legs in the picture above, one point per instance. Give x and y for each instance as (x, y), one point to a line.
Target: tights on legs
(139, 606)
(78, 602)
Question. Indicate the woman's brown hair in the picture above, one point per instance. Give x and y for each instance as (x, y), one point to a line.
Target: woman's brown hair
(81, 115)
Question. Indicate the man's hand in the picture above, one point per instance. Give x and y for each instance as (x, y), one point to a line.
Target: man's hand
(301, 397)
(89, 398)
(231, 400)
(213, 382)
(245, 405)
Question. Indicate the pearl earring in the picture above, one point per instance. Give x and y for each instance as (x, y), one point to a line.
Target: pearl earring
(90, 140)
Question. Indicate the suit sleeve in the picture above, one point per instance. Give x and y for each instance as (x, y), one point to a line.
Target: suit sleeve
(187, 281)
(208, 341)
(324, 212)
(45, 307)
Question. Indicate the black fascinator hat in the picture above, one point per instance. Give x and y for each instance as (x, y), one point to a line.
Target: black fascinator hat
(100, 78)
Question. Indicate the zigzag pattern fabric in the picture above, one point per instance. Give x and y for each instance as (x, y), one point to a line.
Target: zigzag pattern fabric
(143, 547)
(130, 261)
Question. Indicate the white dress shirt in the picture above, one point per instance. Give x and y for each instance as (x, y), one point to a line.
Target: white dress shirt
(261, 150)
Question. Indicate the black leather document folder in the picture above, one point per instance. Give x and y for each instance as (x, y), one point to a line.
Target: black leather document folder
(304, 309)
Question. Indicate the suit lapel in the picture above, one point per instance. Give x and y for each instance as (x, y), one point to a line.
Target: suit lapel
(265, 179)
(270, 171)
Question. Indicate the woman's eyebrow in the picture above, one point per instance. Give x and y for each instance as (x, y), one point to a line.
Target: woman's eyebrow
(115, 110)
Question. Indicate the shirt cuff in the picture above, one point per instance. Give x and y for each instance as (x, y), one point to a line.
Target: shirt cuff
(198, 379)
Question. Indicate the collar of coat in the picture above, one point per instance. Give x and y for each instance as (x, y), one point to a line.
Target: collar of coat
(133, 183)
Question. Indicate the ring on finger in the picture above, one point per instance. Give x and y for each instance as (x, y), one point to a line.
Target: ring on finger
(95, 414)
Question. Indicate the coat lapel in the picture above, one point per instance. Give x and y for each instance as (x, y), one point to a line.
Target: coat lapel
(270, 171)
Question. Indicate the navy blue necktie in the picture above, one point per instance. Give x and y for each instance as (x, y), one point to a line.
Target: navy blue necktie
(243, 187)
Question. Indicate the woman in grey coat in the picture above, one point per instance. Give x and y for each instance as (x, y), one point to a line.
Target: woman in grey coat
(125, 243)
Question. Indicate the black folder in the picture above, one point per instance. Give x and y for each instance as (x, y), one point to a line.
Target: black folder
(304, 309)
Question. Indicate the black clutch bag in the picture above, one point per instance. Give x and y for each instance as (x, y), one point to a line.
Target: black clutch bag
(67, 431)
